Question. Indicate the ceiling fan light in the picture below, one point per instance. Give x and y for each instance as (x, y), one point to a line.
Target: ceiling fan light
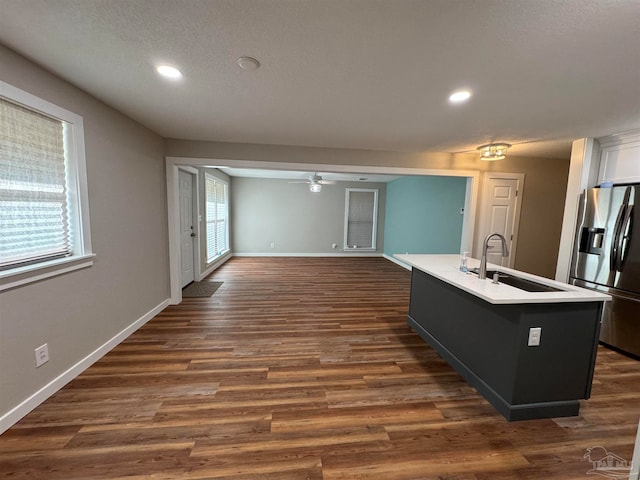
(493, 151)
(315, 187)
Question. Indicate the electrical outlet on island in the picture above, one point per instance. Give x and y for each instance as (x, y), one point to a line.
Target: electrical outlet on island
(534, 336)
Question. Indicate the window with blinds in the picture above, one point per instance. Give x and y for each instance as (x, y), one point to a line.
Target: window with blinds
(361, 218)
(34, 203)
(44, 204)
(216, 217)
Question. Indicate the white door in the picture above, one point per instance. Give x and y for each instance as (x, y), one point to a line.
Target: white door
(500, 214)
(187, 234)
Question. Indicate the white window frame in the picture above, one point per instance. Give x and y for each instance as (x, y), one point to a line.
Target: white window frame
(79, 221)
(226, 223)
(374, 229)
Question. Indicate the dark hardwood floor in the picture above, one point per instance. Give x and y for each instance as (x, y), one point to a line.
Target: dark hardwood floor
(302, 368)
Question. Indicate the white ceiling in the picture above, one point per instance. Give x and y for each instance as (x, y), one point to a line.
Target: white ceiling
(367, 74)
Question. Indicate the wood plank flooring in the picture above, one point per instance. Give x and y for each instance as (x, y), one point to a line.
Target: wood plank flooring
(302, 368)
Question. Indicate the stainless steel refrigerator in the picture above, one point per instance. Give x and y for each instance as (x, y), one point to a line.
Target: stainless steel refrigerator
(606, 258)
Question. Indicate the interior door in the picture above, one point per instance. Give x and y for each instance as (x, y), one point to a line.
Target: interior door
(499, 215)
(187, 235)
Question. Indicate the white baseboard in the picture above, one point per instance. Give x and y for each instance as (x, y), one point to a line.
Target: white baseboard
(269, 254)
(22, 409)
(227, 256)
(396, 261)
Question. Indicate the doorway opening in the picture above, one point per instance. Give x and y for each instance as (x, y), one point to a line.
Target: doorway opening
(175, 164)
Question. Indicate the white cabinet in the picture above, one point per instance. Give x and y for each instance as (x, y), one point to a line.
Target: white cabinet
(620, 158)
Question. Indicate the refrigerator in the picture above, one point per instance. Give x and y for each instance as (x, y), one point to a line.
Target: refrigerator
(606, 258)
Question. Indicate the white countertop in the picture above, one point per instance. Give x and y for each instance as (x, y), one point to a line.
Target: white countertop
(447, 269)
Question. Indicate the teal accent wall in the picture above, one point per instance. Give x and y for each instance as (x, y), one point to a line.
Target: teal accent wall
(423, 215)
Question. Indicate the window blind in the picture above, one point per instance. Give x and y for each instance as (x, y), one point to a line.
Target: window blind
(34, 216)
(216, 216)
(360, 219)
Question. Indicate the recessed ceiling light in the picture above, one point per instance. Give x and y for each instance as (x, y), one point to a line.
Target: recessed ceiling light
(460, 96)
(248, 63)
(169, 72)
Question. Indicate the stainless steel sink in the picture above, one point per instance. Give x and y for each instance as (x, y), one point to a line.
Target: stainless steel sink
(519, 282)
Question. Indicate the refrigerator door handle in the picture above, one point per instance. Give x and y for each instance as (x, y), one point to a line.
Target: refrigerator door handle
(624, 238)
(615, 244)
(616, 257)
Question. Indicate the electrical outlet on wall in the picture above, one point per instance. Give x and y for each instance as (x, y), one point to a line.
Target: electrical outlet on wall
(273, 244)
(42, 355)
(534, 336)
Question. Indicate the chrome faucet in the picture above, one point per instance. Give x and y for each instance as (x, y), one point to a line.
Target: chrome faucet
(482, 271)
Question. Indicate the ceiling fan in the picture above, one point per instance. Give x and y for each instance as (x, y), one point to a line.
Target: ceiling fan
(315, 182)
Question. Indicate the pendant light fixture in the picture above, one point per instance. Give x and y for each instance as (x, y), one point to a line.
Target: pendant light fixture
(493, 151)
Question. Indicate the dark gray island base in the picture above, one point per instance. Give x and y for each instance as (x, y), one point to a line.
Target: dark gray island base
(487, 344)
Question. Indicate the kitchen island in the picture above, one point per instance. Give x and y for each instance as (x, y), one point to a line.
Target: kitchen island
(530, 354)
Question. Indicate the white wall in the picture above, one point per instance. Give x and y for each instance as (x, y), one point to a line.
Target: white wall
(79, 312)
(297, 221)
